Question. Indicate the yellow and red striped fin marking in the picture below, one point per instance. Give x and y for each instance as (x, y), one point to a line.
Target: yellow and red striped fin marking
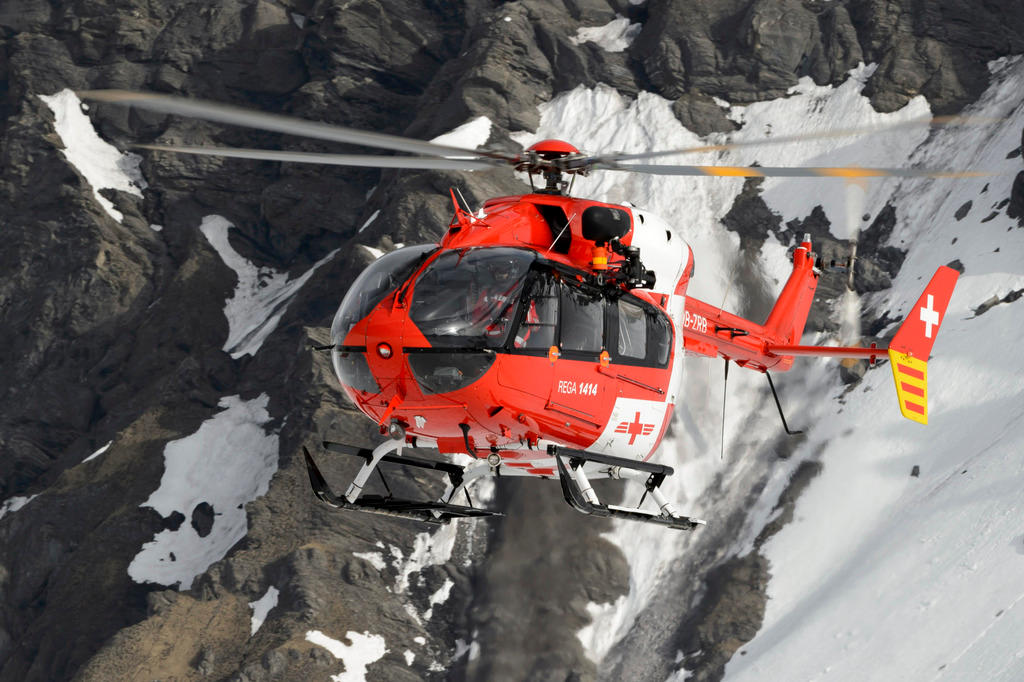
(911, 375)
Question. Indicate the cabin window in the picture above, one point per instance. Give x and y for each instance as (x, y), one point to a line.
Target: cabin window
(582, 324)
(554, 310)
(632, 330)
(660, 337)
(644, 333)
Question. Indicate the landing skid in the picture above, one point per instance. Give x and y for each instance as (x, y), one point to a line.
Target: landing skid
(580, 495)
(438, 512)
(576, 487)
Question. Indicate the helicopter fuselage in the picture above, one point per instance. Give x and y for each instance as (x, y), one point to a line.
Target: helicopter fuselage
(505, 337)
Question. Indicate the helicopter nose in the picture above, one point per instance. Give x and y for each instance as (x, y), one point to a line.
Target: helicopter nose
(370, 363)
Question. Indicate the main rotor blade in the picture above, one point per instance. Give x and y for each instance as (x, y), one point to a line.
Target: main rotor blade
(793, 172)
(361, 160)
(232, 115)
(936, 122)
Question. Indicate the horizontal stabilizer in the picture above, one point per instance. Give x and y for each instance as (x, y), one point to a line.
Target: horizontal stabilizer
(911, 375)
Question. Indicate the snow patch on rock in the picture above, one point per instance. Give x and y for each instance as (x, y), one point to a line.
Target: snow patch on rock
(615, 36)
(469, 135)
(439, 597)
(828, 108)
(14, 504)
(373, 251)
(261, 607)
(98, 452)
(373, 216)
(227, 463)
(99, 162)
(363, 650)
(261, 296)
(429, 549)
(376, 559)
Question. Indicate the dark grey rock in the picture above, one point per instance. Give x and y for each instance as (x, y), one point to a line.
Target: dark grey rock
(992, 302)
(204, 662)
(1015, 209)
(565, 564)
(852, 371)
(701, 114)
(174, 521)
(202, 518)
(934, 50)
(877, 260)
(743, 50)
(751, 218)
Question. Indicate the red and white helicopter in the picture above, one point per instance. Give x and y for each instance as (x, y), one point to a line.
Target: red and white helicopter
(543, 334)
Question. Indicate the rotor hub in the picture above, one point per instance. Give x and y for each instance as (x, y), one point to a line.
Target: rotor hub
(550, 159)
(552, 149)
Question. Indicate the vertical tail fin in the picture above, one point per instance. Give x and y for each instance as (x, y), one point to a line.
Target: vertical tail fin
(910, 348)
(788, 317)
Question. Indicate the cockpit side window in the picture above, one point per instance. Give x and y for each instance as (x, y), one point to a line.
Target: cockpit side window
(555, 310)
(373, 285)
(468, 299)
(539, 320)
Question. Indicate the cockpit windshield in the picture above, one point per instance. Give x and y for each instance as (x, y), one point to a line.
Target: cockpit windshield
(382, 277)
(468, 299)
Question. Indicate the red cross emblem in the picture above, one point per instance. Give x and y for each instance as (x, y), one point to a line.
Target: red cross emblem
(634, 428)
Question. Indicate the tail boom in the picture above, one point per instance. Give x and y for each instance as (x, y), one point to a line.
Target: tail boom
(711, 331)
(871, 353)
(715, 332)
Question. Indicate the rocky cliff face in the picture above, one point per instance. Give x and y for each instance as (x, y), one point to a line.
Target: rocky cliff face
(113, 329)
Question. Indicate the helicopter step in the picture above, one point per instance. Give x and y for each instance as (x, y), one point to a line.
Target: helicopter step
(439, 512)
(580, 494)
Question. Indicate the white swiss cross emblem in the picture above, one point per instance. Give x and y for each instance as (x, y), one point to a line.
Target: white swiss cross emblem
(929, 316)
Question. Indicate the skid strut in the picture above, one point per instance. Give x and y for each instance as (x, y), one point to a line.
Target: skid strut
(356, 487)
(580, 494)
(440, 511)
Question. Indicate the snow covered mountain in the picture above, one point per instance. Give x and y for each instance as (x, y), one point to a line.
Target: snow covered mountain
(864, 545)
(155, 518)
(904, 557)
